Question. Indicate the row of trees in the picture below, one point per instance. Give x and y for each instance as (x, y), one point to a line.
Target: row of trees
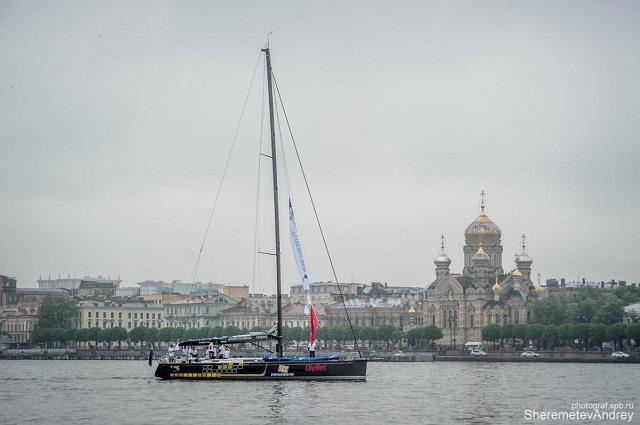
(59, 337)
(581, 335)
(590, 305)
(383, 337)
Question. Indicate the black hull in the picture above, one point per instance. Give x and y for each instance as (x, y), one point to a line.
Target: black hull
(259, 369)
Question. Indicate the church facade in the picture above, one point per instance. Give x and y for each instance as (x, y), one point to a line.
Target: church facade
(462, 304)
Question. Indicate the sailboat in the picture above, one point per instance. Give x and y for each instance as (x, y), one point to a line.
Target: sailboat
(273, 367)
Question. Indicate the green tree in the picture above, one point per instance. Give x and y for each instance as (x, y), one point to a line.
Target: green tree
(633, 333)
(611, 312)
(58, 336)
(105, 336)
(385, 332)
(534, 333)
(94, 335)
(519, 332)
(119, 334)
(628, 294)
(71, 335)
(397, 337)
(423, 336)
(137, 335)
(550, 336)
(587, 309)
(367, 333)
(549, 311)
(491, 333)
(506, 334)
(231, 330)
(166, 335)
(41, 336)
(193, 333)
(82, 335)
(57, 311)
(616, 333)
(567, 333)
(583, 332)
(178, 334)
(151, 336)
(598, 334)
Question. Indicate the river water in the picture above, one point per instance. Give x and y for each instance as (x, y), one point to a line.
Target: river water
(124, 392)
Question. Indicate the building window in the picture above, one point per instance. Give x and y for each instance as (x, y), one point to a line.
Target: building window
(104, 314)
(129, 315)
(119, 315)
(112, 314)
(129, 325)
(89, 314)
(516, 317)
(153, 315)
(147, 315)
(159, 316)
(135, 315)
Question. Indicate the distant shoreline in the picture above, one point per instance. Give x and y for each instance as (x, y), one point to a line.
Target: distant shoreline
(493, 357)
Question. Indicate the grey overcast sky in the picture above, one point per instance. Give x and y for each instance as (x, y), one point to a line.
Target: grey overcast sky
(116, 119)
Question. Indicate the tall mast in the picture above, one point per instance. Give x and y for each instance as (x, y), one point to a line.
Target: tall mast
(275, 203)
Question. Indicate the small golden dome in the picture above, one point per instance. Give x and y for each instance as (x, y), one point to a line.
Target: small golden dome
(496, 286)
(516, 273)
(539, 289)
(412, 310)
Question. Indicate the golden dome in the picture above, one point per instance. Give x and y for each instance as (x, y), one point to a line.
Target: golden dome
(539, 289)
(496, 286)
(516, 273)
(482, 228)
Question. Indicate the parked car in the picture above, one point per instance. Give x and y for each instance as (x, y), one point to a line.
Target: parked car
(478, 352)
(619, 355)
(529, 353)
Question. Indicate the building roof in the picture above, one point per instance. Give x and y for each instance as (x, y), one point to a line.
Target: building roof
(32, 311)
(206, 299)
(632, 308)
(371, 303)
(110, 304)
(42, 291)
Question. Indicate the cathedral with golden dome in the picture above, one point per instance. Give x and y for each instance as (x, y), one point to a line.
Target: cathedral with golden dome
(462, 304)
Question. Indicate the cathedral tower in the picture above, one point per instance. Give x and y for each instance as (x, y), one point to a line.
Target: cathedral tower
(523, 262)
(442, 262)
(483, 232)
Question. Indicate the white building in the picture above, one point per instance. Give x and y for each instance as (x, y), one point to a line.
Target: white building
(95, 314)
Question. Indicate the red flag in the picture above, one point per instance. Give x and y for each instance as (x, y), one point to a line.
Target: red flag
(313, 325)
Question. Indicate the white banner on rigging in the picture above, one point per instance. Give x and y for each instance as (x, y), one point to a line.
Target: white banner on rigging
(296, 246)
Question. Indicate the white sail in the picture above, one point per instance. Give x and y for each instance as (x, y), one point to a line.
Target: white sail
(296, 247)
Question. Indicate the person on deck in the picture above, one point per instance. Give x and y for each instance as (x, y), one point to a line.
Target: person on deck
(312, 349)
(211, 351)
(226, 352)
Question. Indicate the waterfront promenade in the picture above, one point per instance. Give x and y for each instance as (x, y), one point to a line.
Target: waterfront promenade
(380, 356)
